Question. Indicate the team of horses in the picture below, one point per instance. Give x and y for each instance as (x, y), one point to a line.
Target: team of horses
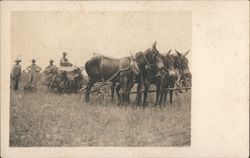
(144, 68)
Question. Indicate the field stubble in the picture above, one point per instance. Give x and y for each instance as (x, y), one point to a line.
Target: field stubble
(48, 119)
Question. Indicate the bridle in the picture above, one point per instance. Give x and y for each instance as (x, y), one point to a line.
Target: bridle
(146, 60)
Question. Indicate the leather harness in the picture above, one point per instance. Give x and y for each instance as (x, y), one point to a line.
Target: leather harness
(115, 74)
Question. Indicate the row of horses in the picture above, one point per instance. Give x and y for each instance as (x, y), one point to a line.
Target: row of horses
(144, 68)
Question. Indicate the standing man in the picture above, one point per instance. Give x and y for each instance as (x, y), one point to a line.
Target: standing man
(64, 61)
(15, 74)
(50, 71)
(33, 69)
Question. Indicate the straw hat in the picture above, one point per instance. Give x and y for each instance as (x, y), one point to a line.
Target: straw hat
(18, 60)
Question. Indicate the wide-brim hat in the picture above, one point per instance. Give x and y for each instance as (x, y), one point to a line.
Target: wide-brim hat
(33, 60)
(64, 53)
(51, 61)
(18, 60)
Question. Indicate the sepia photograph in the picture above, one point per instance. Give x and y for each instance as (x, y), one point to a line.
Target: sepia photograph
(124, 79)
(107, 78)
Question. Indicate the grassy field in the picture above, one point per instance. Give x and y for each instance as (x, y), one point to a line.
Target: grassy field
(47, 119)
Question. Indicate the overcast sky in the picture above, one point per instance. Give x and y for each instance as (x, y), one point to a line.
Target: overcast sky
(45, 35)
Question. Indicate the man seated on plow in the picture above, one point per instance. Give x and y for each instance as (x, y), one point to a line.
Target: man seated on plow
(64, 62)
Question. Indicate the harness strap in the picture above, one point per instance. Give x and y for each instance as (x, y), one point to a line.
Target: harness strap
(115, 74)
(118, 72)
(146, 59)
(101, 60)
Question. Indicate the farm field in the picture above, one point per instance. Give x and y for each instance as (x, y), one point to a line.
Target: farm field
(46, 119)
(49, 119)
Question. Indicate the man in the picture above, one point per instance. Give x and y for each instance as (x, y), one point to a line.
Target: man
(15, 74)
(50, 67)
(50, 71)
(33, 69)
(64, 61)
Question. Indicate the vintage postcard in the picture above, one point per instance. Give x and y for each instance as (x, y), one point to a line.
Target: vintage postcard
(124, 79)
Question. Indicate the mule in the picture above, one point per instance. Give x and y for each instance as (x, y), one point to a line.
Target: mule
(105, 69)
(151, 66)
(180, 77)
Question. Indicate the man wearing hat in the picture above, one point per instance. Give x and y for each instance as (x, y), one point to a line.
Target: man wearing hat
(33, 69)
(15, 74)
(64, 61)
(50, 70)
(50, 67)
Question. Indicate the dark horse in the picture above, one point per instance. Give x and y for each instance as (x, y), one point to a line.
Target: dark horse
(105, 69)
(167, 79)
(151, 66)
(181, 76)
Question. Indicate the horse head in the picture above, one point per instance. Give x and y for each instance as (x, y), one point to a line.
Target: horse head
(181, 63)
(155, 59)
(169, 64)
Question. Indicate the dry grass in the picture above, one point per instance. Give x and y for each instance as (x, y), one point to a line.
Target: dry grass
(49, 119)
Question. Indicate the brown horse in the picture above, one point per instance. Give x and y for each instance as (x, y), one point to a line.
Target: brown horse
(105, 69)
(102, 69)
(151, 66)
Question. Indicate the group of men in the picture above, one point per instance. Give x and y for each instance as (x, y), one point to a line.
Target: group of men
(33, 71)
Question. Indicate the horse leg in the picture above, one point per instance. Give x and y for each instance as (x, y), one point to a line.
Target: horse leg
(138, 96)
(117, 89)
(165, 93)
(112, 91)
(171, 93)
(171, 96)
(124, 82)
(157, 94)
(165, 97)
(146, 87)
(162, 92)
(89, 86)
(129, 90)
(163, 88)
(129, 85)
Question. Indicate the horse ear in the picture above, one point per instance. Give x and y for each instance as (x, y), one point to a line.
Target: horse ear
(138, 54)
(132, 55)
(185, 54)
(178, 53)
(154, 45)
(168, 53)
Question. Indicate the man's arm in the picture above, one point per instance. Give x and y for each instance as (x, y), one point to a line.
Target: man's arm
(38, 68)
(46, 69)
(28, 68)
(12, 72)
